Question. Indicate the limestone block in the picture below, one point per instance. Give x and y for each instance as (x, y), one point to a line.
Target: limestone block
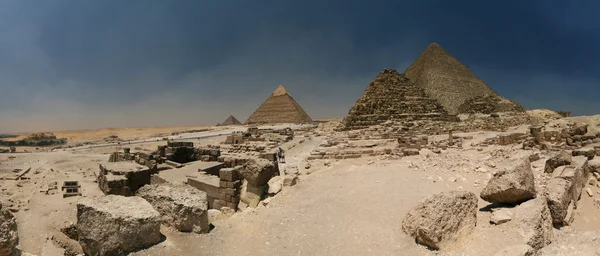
(562, 158)
(258, 171)
(180, 206)
(442, 218)
(535, 222)
(511, 186)
(116, 225)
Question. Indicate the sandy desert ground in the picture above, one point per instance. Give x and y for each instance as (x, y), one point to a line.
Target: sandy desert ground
(338, 207)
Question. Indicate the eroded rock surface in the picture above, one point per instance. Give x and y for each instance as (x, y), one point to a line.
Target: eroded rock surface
(535, 223)
(442, 218)
(180, 206)
(562, 158)
(116, 225)
(511, 186)
(9, 237)
(258, 171)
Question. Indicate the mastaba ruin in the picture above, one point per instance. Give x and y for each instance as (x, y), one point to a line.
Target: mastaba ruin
(435, 87)
(231, 120)
(280, 107)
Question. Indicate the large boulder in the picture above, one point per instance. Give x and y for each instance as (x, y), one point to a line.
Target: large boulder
(559, 194)
(442, 218)
(180, 206)
(116, 225)
(511, 186)
(564, 188)
(562, 158)
(258, 171)
(251, 194)
(275, 184)
(9, 238)
(535, 223)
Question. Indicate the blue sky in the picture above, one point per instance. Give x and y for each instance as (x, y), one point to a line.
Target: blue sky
(67, 64)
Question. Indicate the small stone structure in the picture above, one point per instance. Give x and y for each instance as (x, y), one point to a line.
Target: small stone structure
(234, 139)
(229, 185)
(391, 95)
(116, 225)
(122, 178)
(181, 206)
(71, 188)
(565, 187)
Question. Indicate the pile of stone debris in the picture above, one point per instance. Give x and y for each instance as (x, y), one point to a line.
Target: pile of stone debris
(445, 218)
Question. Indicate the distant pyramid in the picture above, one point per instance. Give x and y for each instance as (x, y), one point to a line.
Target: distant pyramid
(393, 96)
(231, 121)
(450, 82)
(280, 107)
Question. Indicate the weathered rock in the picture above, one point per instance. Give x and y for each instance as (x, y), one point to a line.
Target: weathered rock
(563, 158)
(180, 206)
(535, 222)
(559, 195)
(116, 225)
(9, 237)
(517, 250)
(410, 151)
(442, 218)
(72, 247)
(511, 186)
(501, 215)
(565, 187)
(594, 165)
(590, 153)
(258, 171)
(275, 185)
(534, 157)
(214, 215)
(251, 194)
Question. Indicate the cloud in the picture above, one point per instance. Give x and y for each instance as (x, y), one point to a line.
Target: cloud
(89, 64)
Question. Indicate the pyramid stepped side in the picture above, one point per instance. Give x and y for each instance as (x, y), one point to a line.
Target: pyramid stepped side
(488, 104)
(449, 81)
(393, 96)
(279, 108)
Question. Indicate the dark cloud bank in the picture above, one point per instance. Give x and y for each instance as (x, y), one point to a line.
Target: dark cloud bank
(67, 64)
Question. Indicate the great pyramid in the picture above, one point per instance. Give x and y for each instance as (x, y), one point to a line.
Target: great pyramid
(230, 121)
(391, 95)
(280, 107)
(450, 82)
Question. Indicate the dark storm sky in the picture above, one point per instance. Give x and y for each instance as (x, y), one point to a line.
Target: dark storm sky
(68, 64)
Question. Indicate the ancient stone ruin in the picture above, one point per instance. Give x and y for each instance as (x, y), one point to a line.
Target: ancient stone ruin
(450, 82)
(435, 87)
(116, 225)
(122, 178)
(280, 107)
(393, 96)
